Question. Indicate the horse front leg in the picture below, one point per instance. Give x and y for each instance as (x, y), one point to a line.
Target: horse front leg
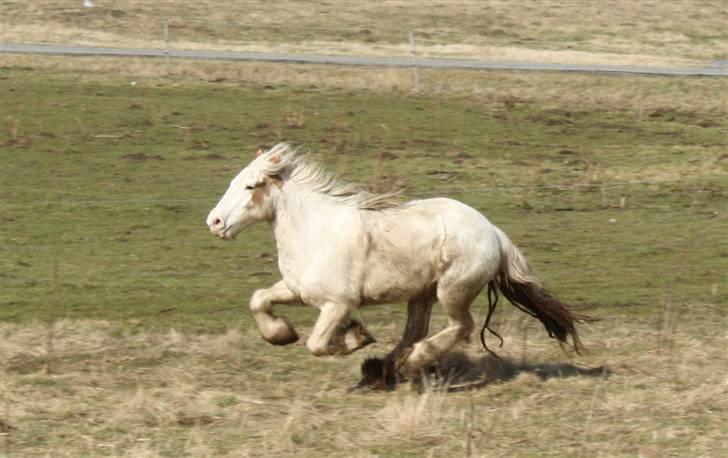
(274, 329)
(333, 335)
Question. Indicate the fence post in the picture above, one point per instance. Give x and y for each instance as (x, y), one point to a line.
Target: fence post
(413, 61)
(51, 322)
(166, 46)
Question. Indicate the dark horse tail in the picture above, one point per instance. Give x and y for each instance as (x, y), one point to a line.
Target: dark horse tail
(515, 281)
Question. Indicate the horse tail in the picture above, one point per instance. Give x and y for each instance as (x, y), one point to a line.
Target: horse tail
(522, 289)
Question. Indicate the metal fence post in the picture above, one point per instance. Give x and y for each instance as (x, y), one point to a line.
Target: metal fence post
(413, 61)
(166, 45)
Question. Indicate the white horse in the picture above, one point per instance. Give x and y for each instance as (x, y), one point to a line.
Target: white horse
(341, 247)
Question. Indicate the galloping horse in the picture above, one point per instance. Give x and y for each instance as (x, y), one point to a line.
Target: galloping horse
(341, 247)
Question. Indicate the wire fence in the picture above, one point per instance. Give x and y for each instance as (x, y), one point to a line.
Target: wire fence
(412, 194)
(210, 202)
(207, 243)
(410, 40)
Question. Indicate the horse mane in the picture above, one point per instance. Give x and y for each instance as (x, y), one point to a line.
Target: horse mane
(285, 161)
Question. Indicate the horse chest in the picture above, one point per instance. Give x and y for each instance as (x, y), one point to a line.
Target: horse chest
(320, 275)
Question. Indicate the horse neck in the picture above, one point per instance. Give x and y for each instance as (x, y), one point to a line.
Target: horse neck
(299, 212)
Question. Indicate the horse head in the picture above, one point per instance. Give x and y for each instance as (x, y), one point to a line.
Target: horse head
(251, 196)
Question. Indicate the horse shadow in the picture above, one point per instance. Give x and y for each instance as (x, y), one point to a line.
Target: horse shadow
(459, 371)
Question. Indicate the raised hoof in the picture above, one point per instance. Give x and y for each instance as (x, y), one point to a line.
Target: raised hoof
(284, 340)
(356, 337)
(349, 339)
(283, 333)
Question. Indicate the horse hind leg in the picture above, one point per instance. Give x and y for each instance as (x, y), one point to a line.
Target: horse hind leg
(383, 373)
(417, 327)
(455, 298)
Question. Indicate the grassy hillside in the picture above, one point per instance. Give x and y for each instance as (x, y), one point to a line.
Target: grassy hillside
(125, 323)
(120, 177)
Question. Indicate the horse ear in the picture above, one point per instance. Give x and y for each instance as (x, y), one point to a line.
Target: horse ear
(258, 153)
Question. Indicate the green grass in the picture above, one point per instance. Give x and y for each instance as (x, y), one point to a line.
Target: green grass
(105, 187)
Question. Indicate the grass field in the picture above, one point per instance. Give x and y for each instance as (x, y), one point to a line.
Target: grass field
(626, 32)
(125, 329)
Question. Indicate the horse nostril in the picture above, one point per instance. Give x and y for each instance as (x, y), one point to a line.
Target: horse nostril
(218, 223)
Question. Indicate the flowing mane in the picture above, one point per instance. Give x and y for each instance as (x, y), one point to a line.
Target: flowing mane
(285, 160)
(339, 249)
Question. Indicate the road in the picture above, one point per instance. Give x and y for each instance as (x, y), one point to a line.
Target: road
(716, 70)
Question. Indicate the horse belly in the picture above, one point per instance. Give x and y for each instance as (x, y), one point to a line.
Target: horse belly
(385, 287)
(400, 266)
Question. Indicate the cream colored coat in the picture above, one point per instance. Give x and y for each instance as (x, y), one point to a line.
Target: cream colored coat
(340, 248)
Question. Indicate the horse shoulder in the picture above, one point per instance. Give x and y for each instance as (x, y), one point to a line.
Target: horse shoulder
(326, 259)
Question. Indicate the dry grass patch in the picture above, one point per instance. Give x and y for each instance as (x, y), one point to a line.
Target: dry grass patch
(619, 31)
(118, 392)
(426, 418)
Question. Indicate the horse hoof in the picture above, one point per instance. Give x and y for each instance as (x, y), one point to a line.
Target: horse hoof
(349, 339)
(281, 332)
(286, 339)
(379, 374)
(356, 337)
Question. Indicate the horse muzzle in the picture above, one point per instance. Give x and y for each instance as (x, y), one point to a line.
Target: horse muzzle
(218, 228)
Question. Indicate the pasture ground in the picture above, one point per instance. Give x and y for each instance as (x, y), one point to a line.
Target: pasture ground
(125, 330)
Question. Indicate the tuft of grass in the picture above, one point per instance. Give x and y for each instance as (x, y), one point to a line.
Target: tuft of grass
(421, 418)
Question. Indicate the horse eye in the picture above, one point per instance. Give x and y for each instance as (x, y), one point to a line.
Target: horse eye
(250, 187)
